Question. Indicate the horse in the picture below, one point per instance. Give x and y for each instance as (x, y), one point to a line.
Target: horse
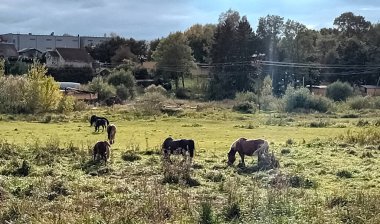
(102, 148)
(247, 147)
(94, 118)
(100, 122)
(111, 131)
(182, 146)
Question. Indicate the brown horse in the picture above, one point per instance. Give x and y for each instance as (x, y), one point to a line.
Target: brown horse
(111, 131)
(102, 148)
(247, 147)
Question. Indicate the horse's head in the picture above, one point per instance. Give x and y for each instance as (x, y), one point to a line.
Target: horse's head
(231, 157)
(92, 119)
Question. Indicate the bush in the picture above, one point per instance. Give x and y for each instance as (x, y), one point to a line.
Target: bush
(244, 107)
(130, 156)
(302, 99)
(80, 105)
(245, 97)
(13, 94)
(155, 89)
(344, 174)
(182, 93)
(367, 102)
(339, 91)
(66, 104)
(103, 89)
(124, 93)
(151, 103)
(206, 214)
(122, 77)
(72, 74)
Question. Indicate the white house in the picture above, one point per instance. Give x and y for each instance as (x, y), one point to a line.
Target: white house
(63, 57)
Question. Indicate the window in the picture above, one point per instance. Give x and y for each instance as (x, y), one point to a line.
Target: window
(59, 39)
(75, 40)
(32, 39)
(48, 39)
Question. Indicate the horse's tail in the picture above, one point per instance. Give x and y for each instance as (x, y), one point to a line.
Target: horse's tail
(109, 133)
(107, 122)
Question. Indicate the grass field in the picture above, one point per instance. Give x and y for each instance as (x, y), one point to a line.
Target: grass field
(328, 169)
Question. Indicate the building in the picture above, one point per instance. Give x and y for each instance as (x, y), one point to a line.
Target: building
(45, 43)
(370, 90)
(318, 90)
(29, 53)
(63, 57)
(73, 89)
(8, 51)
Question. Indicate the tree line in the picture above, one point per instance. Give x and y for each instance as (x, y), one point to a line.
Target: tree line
(349, 52)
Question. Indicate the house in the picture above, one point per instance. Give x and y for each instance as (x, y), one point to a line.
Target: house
(318, 90)
(63, 57)
(370, 90)
(8, 51)
(30, 53)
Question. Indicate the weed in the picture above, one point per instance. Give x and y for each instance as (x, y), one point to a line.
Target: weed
(130, 156)
(206, 214)
(344, 174)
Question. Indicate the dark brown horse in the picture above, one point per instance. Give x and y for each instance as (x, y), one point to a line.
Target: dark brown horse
(102, 148)
(247, 147)
(111, 131)
(94, 118)
(102, 123)
(180, 146)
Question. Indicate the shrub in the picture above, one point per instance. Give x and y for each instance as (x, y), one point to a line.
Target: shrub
(182, 93)
(359, 102)
(151, 103)
(155, 89)
(13, 94)
(302, 99)
(124, 93)
(206, 214)
(244, 107)
(344, 174)
(122, 77)
(339, 91)
(130, 156)
(43, 92)
(245, 97)
(66, 104)
(103, 89)
(72, 74)
(80, 105)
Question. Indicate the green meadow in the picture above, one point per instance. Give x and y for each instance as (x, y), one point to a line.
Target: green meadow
(328, 169)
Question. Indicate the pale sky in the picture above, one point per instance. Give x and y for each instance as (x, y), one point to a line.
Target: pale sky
(150, 19)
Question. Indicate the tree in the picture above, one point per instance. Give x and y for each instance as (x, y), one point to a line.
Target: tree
(269, 31)
(152, 47)
(106, 50)
(200, 40)
(174, 57)
(43, 92)
(231, 53)
(349, 24)
(123, 53)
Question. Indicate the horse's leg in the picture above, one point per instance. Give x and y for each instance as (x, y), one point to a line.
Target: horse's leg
(242, 158)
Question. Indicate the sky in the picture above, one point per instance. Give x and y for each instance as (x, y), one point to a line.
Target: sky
(150, 19)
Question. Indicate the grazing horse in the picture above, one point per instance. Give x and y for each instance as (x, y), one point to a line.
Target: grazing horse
(100, 122)
(102, 148)
(111, 131)
(182, 146)
(94, 118)
(247, 147)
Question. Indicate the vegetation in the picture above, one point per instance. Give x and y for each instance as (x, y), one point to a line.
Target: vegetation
(339, 91)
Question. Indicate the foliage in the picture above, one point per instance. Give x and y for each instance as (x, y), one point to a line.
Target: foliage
(174, 56)
(13, 91)
(124, 82)
(153, 88)
(103, 89)
(72, 74)
(200, 39)
(151, 103)
(339, 91)
(302, 99)
(18, 68)
(2, 67)
(183, 93)
(42, 92)
(66, 104)
(367, 102)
